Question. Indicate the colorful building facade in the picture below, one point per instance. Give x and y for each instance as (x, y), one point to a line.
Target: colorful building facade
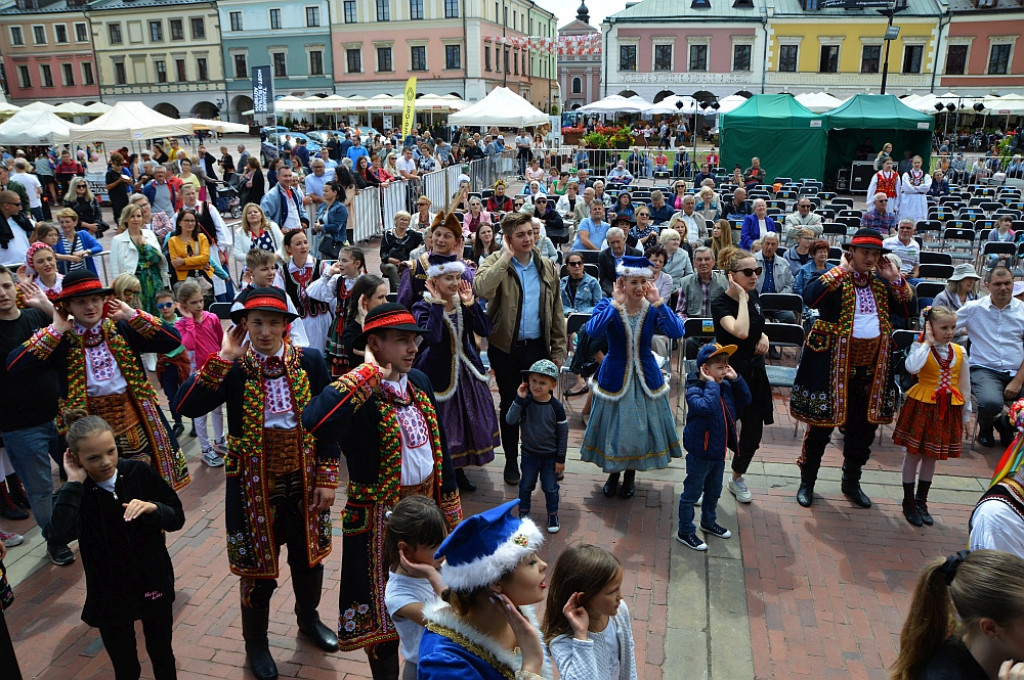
(983, 49)
(579, 65)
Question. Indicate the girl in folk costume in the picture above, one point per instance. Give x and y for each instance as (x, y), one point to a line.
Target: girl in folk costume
(631, 425)
(295, 277)
(368, 292)
(334, 287)
(444, 245)
(452, 315)
(41, 269)
(914, 192)
(280, 480)
(886, 181)
(930, 424)
(94, 345)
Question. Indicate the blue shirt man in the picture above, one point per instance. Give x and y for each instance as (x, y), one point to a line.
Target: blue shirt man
(356, 150)
(529, 278)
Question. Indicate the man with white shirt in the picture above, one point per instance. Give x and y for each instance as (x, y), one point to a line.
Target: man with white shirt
(906, 247)
(803, 217)
(776, 275)
(315, 183)
(14, 231)
(696, 225)
(284, 203)
(33, 187)
(997, 522)
(995, 325)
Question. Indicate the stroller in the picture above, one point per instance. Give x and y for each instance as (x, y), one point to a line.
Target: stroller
(228, 198)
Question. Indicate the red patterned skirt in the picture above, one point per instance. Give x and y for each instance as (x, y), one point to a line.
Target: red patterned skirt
(923, 432)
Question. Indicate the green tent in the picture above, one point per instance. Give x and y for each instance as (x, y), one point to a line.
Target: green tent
(789, 139)
(881, 118)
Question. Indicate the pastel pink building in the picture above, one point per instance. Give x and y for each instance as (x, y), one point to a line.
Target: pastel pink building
(579, 68)
(983, 52)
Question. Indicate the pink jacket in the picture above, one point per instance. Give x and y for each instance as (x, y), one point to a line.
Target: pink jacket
(202, 339)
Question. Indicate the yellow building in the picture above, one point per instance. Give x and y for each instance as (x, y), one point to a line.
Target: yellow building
(165, 54)
(841, 50)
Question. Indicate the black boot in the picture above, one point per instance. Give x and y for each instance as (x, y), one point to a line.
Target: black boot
(628, 487)
(463, 481)
(612, 485)
(511, 475)
(8, 508)
(922, 502)
(805, 494)
(910, 506)
(257, 648)
(385, 667)
(17, 491)
(851, 486)
(307, 588)
(808, 475)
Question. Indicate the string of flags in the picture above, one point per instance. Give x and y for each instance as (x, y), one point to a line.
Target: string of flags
(563, 45)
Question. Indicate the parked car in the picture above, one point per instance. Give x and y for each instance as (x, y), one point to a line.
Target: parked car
(287, 140)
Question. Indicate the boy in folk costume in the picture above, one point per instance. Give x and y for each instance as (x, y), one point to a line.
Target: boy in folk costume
(94, 345)
(280, 481)
(385, 413)
(446, 246)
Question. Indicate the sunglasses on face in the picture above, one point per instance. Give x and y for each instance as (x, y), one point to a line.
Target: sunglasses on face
(575, 264)
(747, 271)
(164, 305)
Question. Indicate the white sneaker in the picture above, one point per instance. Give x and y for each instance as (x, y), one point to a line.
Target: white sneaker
(738, 488)
(700, 499)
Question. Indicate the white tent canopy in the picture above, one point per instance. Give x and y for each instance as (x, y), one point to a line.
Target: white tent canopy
(616, 103)
(39, 106)
(220, 126)
(1008, 104)
(667, 106)
(730, 103)
(130, 121)
(35, 128)
(501, 107)
(818, 102)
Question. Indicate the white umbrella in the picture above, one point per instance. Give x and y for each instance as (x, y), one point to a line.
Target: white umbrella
(819, 102)
(130, 121)
(730, 103)
(438, 104)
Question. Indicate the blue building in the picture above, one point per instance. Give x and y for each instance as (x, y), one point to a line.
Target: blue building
(294, 38)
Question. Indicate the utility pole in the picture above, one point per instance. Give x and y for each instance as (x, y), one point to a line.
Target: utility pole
(891, 33)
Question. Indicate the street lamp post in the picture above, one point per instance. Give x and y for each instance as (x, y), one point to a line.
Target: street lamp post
(891, 33)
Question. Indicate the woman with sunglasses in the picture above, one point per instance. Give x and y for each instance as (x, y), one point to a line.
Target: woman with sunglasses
(739, 321)
(80, 199)
(189, 251)
(680, 193)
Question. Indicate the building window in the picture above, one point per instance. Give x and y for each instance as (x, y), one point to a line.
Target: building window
(198, 28)
(17, 38)
(627, 57)
(280, 64)
(241, 66)
(419, 58)
(312, 17)
(515, 64)
(577, 85)
(350, 11)
(46, 75)
(788, 58)
(451, 9)
(67, 72)
(383, 10)
(870, 57)
(115, 34)
(24, 77)
(179, 69)
(384, 60)
(415, 9)
(81, 32)
(202, 70)
(120, 74)
(999, 59)
(60, 34)
(87, 78)
(453, 56)
(177, 29)
(956, 60)
(698, 57)
(316, 62)
(526, 71)
(662, 57)
(912, 58)
(354, 60)
(828, 60)
(160, 66)
(506, 56)
(741, 57)
(236, 21)
(487, 58)
(156, 31)
(39, 35)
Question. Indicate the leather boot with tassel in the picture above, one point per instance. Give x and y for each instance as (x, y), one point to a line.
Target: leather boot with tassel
(851, 486)
(257, 647)
(8, 508)
(308, 587)
(910, 505)
(922, 502)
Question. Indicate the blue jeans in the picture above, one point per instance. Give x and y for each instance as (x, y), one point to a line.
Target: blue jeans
(29, 451)
(532, 467)
(702, 476)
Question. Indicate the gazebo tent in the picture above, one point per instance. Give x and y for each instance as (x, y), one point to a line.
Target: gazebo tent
(39, 127)
(789, 139)
(881, 117)
(501, 107)
(130, 121)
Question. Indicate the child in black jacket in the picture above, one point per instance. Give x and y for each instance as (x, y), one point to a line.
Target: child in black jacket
(118, 510)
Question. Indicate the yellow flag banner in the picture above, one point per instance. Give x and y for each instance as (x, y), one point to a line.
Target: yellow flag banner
(409, 107)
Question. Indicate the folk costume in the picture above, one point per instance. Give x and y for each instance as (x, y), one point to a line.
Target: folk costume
(914, 195)
(477, 554)
(412, 283)
(845, 375)
(100, 369)
(887, 183)
(315, 314)
(335, 292)
(451, 360)
(997, 522)
(273, 466)
(394, 447)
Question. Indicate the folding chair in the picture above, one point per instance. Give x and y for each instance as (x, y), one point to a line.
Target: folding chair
(997, 248)
(850, 212)
(842, 200)
(573, 323)
(833, 232)
(901, 340)
(782, 302)
(589, 256)
(782, 335)
(694, 327)
(931, 257)
(960, 240)
(935, 271)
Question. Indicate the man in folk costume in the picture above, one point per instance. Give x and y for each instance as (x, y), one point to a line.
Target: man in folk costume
(280, 480)
(385, 413)
(886, 181)
(446, 246)
(94, 345)
(845, 373)
(997, 522)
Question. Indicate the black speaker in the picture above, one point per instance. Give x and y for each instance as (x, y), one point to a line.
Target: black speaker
(860, 175)
(843, 180)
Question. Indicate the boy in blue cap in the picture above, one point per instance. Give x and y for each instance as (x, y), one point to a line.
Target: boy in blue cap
(714, 395)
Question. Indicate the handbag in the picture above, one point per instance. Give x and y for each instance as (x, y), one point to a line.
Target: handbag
(328, 248)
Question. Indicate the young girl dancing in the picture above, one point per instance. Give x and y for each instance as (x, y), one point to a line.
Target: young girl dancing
(930, 424)
(295, 277)
(452, 315)
(334, 287)
(586, 623)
